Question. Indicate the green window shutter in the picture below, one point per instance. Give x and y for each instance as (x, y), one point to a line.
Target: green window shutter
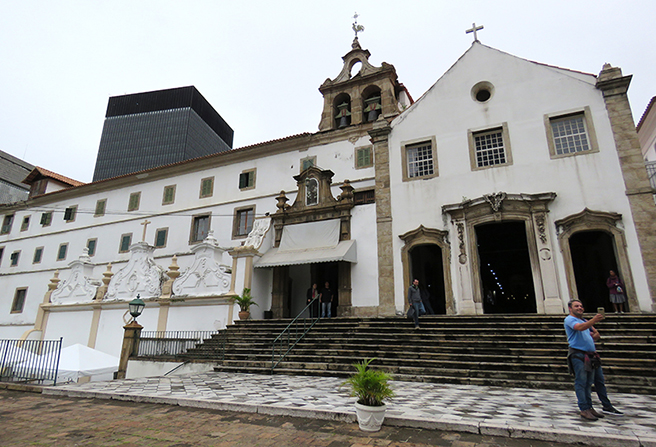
(91, 245)
(100, 207)
(160, 238)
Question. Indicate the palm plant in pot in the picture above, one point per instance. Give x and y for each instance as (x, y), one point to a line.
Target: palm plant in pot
(371, 387)
(245, 301)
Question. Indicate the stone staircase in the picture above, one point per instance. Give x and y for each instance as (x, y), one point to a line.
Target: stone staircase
(499, 350)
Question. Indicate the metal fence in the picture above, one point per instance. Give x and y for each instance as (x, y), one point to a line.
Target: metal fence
(157, 343)
(30, 361)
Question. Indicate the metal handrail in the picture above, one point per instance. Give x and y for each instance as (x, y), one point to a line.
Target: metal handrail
(651, 173)
(290, 341)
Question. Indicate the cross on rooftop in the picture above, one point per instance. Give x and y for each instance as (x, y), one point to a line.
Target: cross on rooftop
(145, 224)
(473, 29)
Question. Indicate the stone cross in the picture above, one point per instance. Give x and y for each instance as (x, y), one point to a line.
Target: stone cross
(473, 29)
(357, 28)
(145, 224)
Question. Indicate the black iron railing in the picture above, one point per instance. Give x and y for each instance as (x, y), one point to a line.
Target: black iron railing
(30, 361)
(292, 334)
(158, 343)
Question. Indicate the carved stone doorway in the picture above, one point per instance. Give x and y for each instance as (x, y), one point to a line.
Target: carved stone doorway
(505, 268)
(593, 257)
(427, 267)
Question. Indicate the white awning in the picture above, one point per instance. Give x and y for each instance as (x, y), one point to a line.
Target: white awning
(343, 251)
(308, 243)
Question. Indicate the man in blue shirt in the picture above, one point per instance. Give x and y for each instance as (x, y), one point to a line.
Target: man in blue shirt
(584, 361)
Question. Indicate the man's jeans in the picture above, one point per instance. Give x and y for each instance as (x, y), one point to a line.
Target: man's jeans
(325, 310)
(583, 384)
(417, 307)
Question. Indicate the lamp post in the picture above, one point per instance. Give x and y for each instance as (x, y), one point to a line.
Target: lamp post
(131, 336)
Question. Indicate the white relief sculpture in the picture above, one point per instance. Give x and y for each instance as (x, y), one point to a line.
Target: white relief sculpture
(80, 287)
(207, 276)
(256, 236)
(140, 276)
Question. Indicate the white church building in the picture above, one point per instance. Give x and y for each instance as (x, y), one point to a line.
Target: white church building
(510, 186)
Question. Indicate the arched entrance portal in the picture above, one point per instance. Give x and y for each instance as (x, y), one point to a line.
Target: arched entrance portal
(505, 268)
(427, 267)
(593, 257)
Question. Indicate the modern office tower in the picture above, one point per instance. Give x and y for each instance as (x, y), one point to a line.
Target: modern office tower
(146, 130)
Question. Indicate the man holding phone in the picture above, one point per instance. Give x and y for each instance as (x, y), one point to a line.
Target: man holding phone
(584, 361)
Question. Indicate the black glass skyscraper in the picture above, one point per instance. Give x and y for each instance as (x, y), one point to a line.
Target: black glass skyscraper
(146, 130)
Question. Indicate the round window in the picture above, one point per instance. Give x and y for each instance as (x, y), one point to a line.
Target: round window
(482, 91)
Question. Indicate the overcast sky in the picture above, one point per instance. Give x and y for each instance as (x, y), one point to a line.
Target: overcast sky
(260, 63)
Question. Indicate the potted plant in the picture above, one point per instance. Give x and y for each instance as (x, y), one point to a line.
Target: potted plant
(245, 302)
(371, 387)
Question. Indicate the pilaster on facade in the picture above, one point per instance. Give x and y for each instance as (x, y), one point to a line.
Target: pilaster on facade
(385, 240)
(614, 88)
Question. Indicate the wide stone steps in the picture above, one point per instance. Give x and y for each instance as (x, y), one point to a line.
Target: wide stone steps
(500, 350)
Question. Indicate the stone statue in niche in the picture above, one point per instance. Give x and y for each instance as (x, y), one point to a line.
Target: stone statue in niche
(311, 191)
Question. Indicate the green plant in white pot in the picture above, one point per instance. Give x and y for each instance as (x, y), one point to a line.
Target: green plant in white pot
(371, 387)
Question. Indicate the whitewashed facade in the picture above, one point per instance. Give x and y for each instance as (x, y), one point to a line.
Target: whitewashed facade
(430, 219)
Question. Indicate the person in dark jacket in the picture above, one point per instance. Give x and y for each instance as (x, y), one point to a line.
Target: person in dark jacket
(327, 296)
(414, 299)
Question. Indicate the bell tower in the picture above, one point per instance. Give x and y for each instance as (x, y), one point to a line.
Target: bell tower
(361, 92)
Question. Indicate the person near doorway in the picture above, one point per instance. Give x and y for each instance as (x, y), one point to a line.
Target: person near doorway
(313, 297)
(616, 289)
(425, 301)
(414, 299)
(326, 301)
(584, 361)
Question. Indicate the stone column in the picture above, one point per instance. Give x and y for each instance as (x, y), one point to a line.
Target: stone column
(130, 347)
(614, 87)
(379, 137)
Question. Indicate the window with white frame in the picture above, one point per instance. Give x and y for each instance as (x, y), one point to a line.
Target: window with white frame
(419, 159)
(570, 134)
(489, 147)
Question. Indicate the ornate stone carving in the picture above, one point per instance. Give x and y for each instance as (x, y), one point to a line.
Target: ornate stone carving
(80, 287)
(107, 277)
(462, 257)
(206, 276)
(540, 223)
(495, 200)
(140, 276)
(173, 273)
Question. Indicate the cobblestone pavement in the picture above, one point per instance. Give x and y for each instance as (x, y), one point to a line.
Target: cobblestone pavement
(547, 415)
(30, 419)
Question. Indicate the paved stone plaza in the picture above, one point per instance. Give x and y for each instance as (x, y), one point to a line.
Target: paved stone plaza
(546, 415)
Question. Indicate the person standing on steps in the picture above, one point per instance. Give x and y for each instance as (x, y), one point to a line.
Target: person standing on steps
(327, 296)
(616, 289)
(313, 294)
(414, 299)
(584, 361)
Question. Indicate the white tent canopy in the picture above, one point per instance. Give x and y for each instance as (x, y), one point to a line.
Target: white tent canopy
(79, 361)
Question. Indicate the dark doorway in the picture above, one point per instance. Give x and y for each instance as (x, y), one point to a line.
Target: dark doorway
(593, 257)
(505, 268)
(327, 272)
(427, 267)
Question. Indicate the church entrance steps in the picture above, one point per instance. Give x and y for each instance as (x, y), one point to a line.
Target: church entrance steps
(498, 350)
